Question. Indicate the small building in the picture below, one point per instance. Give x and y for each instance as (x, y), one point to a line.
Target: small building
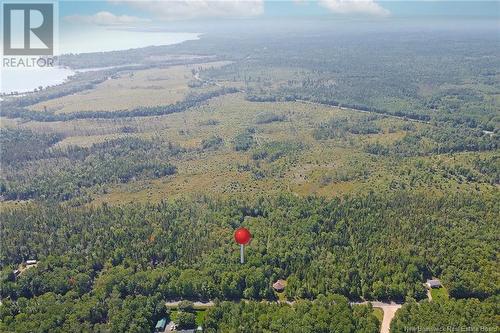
(160, 325)
(434, 283)
(31, 262)
(170, 327)
(279, 285)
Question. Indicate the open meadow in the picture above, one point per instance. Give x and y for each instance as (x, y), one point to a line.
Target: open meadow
(295, 160)
(130, 89)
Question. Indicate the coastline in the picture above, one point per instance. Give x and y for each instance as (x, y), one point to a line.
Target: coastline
(23, 80)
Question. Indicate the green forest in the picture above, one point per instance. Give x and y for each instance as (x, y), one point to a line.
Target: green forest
(362, 167)
(455, 314)
(325, 314)
(375, 247)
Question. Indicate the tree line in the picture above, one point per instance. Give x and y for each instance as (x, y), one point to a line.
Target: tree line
(62, 174)
(143, 111)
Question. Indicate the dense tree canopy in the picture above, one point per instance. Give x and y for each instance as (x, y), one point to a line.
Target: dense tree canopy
(326, 314)
(456, 315)
(61, 174)
(370, 246)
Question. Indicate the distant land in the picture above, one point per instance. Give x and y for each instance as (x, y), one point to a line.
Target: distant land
(27, 79)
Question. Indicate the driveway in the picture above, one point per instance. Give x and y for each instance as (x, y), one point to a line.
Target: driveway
(389, 312)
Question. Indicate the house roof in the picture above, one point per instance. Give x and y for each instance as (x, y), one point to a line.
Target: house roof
(434, 282)
(280, 284)
(161, 323)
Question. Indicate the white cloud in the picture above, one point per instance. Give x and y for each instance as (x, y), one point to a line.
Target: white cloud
(106, 18)
(187, 9)
(369, 7)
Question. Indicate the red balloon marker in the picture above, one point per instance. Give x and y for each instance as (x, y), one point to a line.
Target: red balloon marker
(242, 236)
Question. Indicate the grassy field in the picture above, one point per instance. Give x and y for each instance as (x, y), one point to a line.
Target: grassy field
(200, 317)
(379, 313)
(328, 167)
(199, 313)
(439, 294)
(131, 89)
(325, 167)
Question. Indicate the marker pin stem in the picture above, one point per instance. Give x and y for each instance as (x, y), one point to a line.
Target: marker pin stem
(242, 251)
(242, 236)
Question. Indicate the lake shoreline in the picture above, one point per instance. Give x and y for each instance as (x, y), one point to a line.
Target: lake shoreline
(21, 81)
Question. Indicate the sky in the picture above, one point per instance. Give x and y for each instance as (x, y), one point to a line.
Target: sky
(122, 24)
(105, 25)
(130, 13)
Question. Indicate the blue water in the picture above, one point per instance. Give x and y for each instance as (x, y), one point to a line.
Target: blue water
(23, 80)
